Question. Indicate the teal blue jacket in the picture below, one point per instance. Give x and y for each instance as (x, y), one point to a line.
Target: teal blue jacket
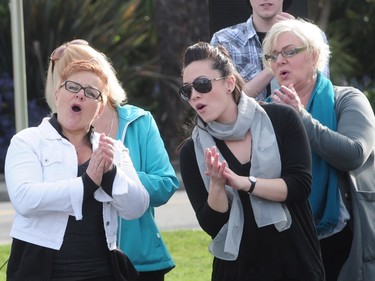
(140, 239)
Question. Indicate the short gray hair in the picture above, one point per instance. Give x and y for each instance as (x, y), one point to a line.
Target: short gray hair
(310, 34)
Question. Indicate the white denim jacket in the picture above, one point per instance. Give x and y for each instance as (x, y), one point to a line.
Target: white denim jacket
(41, 178)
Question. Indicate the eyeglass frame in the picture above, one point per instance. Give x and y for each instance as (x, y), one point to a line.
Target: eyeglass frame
(270, 57)
(191, 86)
(99, 97)
(63, 47)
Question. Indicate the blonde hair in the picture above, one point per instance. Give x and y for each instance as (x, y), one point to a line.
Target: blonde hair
(310, 34)
(90, 66)
(73, 52)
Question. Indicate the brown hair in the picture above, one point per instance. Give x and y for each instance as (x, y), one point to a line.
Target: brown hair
(221, 61)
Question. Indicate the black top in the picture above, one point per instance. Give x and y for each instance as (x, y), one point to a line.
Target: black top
(84, 252)
(265, 253)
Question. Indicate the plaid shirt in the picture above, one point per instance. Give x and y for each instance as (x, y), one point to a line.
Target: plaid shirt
(243, 45)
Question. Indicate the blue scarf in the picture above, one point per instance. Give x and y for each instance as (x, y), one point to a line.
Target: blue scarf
(324, 197)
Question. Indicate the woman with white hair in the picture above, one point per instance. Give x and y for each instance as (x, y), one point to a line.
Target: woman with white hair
(340, 124)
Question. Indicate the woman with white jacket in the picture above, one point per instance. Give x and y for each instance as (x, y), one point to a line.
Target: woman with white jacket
(67, 184)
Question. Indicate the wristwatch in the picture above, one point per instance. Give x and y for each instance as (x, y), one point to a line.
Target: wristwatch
(253, 181)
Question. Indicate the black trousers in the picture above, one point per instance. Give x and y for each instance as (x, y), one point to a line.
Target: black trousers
(335, 251)
(151, 276)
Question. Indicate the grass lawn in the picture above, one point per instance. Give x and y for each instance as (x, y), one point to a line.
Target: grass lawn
(4, 254)
(187, 247)
(190, 254)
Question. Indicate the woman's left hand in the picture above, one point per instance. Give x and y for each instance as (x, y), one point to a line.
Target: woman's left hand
(236, 181)
(106, 145)
(215, 167)
(289, 96)
(101, 159)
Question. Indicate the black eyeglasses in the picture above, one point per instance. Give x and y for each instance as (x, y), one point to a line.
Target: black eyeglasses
(202, 85)
(59, 51)
(89, 92)
(287, 53)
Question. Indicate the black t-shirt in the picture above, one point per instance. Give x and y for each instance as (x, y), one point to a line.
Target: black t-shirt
(84, 252)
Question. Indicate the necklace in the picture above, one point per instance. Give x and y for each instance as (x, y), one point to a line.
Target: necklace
(80, 146)
(112, 120)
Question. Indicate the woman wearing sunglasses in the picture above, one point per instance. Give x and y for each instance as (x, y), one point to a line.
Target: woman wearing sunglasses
(140, 239)
(340, 125)
(247, 173)
(68, 184)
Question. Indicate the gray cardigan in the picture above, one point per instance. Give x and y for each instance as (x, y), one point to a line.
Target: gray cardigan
(351, 150)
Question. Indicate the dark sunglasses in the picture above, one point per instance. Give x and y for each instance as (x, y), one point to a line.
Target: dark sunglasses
(202, 85)
(59, 51)
(75, 87)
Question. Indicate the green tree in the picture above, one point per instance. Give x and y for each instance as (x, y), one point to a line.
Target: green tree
(350, 26)
(123, 30)
(179, 23)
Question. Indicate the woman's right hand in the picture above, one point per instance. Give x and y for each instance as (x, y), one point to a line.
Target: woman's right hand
(217, 196)
(288, 95)
(214, 167)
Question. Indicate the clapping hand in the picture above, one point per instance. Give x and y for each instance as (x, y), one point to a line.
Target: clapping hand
(220, 173)
(101, 159)
(214, 167)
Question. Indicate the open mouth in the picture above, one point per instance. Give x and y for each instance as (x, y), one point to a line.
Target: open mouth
(76, 108)
(283, 74)
(200, 106)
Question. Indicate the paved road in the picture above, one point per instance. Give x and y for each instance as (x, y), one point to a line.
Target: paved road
(6, 219)
(176, 214)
